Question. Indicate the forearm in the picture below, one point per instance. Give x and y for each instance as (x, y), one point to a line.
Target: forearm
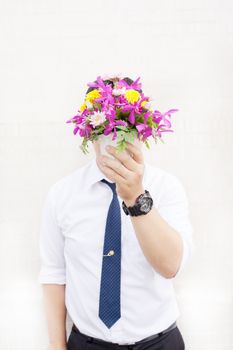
(160, 243)
(54, 299)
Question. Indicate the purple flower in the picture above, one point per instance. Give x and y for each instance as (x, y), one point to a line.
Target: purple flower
(135, 85)
(112, 125)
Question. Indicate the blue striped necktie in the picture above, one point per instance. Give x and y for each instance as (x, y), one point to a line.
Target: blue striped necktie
(110, 286)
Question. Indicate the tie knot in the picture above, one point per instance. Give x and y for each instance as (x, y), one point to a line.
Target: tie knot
(112, 185)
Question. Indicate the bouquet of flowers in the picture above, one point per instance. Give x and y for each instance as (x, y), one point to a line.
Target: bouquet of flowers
(118, 105)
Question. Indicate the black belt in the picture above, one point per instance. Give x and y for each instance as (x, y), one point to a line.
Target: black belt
(101, 341)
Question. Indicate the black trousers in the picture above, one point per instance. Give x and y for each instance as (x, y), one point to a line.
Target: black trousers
(171, 340)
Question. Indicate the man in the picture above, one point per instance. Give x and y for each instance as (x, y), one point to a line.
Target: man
(155, 247)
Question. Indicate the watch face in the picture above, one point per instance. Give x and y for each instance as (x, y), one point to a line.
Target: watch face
(145, 203)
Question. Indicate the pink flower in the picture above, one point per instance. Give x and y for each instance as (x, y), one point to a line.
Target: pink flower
(112, 125)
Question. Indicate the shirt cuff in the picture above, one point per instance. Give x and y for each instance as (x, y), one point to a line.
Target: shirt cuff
(187, 253)
(51, 275)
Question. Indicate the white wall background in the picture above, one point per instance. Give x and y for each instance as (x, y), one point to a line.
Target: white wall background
(183, 51)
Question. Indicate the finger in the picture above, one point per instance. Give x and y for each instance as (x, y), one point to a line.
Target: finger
(137, 153)
(116, 167)
(112, 174)
(124, 157)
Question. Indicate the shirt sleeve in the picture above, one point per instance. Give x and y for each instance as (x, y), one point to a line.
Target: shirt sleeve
(51, 245)
(174, 208)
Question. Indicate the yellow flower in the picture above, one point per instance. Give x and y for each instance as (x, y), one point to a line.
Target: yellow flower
(132, 95)
(83, 106)
(146, 104)
(92, 95)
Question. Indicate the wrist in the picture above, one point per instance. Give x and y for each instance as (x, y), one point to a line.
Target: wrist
(131, 201)
(143, 204)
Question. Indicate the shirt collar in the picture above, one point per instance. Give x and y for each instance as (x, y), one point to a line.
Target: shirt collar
(94, 174)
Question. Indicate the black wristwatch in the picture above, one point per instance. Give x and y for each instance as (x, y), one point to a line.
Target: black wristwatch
(142, 206)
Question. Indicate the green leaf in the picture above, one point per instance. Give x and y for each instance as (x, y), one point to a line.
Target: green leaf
(121, 127)
(139, 118)
(131, 135)
(122, 115)
(147, 144)
(121, 145)
(84, 146)
(155, 125)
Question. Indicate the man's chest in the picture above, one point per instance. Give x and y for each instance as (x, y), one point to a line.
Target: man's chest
(83, 222)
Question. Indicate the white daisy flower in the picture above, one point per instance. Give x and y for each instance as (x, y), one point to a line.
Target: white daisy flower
(112, 76)
(118, 92)
(97, 118)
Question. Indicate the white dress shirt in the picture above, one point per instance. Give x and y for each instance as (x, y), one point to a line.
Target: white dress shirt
(71, 246)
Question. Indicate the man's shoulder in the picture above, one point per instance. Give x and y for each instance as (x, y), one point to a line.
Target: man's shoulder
(68, 183)
(164, 184)
(161, 176)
